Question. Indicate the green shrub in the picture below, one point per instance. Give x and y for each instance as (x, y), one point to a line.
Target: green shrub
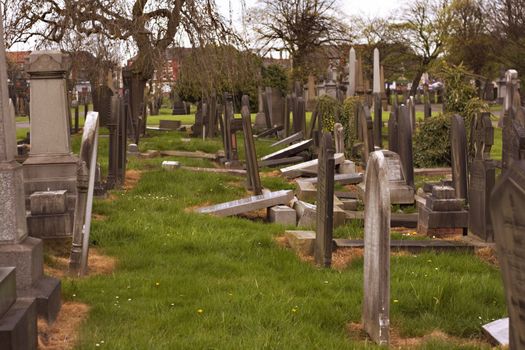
(328, 109)
(275, 76)
(348, 119)
(432, 142)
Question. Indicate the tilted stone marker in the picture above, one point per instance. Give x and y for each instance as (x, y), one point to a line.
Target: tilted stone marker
(249, 204)
(482, 178)
(309, 166)
(249, 147)
(376, 294)
(459, 156)
(405, 144)
(16, 248)
(84, 203)
(506, 207)
(325, 203)
(289, 140)
(290, 150)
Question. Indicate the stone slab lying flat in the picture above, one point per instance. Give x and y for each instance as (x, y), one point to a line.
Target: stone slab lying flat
(288, 140)
(282, 161)
(410, 245)
(432, 171)
(346, 195)
(498, 331)
(310, 166)
(198, 154)
(301, 241)
(249, 204)
(170, 165)
(290, 150)
(396, 219)
(343, 179)
(238, 172)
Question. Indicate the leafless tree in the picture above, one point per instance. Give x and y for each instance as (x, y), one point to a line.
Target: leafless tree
(299, 27)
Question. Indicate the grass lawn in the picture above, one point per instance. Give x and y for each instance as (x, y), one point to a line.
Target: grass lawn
(190, 281)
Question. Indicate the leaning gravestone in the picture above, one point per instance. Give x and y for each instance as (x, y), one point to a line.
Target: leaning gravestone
(376, 302)
(459, 156)
(325, 203)
(393, 144)
(482, 178)
(404, 128)
(366, 132)
(506, 207)
(249, 148)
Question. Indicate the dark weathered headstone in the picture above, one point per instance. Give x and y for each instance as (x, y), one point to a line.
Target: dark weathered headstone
(506, 207)
(367, 136)
(213, 111)
(376, 294)
(122, 142)
(458, 147)
(405, 144)
(113, 126)
(275, 106)
(378, 121)
(392, 130)
(482, 178)
(266, 109)
(299, 116)
(249, 148)
(513, 140)
(325, 203)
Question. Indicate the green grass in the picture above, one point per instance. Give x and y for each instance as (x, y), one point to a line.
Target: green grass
(253, 294)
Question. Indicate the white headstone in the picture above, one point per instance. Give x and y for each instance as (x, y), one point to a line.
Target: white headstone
(351, 69)
(377, 72)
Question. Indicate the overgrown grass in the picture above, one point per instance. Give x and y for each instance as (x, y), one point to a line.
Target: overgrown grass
(189, 281)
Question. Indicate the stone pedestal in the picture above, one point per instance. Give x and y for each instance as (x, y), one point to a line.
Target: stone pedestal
(51, 166)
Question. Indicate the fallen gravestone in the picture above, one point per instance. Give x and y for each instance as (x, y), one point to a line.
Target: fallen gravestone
(289, 151)
(289, 140)
(309, 167)
(343, 179)
(244, 205)
(376, 294)
(498, 331)
(506, 207)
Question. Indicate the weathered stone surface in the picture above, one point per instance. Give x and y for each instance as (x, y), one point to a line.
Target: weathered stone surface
(339, 138)
(290, 150)
(506, 207)
(249, 204)
(347, 167)
(412, 246)
(405, 145)
(7, 288)
(301, 241)
(435, 204)
(443, 192)
(48, 202)
(13, 227)
(169, 124)
(378, 122)
(429, 219)
(376, 302)
(18, 328)
(254, 181)
(365, 128)
(310, 166)
(350, 204)
(459, 156)
(306, 191)
(298, 136)
(343, 179)
(170, 165)
(325, 203)
(50, 226)
(393, 133)
(282, 161)
(283, 215)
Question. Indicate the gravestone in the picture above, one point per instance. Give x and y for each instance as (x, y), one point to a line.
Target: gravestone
(351, 73)
(16, 248)
(506, 207)
(339, 138)
(102, 103)
(513, 138)
(482, 178)
(299, 116)
(249, 148)
(113, 126)
(266, 109)
(260, 118)
(376, 293)
(289, 151)
(366, 132)
(411, 105)
(124, 119)
(325, 203)
(404, 146)
(84, 199)
(289, 140)
(179, 107)
(458, 147)
(378, 121)
(196, 128)
(275, 106)
(51, 165)
(393, 133)
(213, 112)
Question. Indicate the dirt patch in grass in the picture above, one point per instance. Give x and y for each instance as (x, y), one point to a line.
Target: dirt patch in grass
(356, 332)
(63, 333)
(98, 264)
(488, 255)
(193, 208)
(256, 215)
(99, 217)
(275, 173)
(132, 179)
(343, 257)
(282, 241)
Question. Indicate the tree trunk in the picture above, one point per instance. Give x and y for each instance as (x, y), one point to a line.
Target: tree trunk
(415, 82)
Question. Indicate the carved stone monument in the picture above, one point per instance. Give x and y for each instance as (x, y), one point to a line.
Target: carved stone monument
(51, 165)
(376, 302)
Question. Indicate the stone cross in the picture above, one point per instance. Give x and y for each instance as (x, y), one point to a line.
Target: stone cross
(376, 293)
(325, 202)
(458, 141)
(482, 178)
(404, 128)
(506, 206)
(352, 73)
(249, 148)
